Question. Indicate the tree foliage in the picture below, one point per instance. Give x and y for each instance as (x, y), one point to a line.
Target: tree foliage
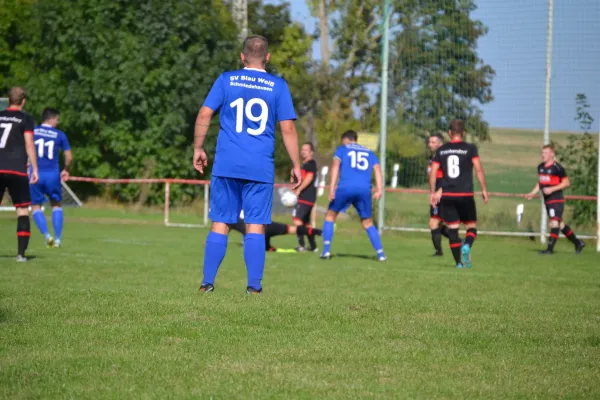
(580, 158)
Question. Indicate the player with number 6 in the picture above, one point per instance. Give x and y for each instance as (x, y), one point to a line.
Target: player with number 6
(457, 159)
(354, 165)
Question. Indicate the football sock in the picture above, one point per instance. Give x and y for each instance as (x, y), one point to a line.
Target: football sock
(57, 222)
(568, 232)
(444, 230)
(311, 239)
(436, 238)
(23, 233)
(471, 236)
(254, 255)
(553, 238)
(300, 239)
(40, 221)
(214, 252)
(375, 240)
(327, 236)
(454, 244)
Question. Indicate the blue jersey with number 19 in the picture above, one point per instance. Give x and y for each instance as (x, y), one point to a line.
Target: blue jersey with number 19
(356, 166)
(250, 102)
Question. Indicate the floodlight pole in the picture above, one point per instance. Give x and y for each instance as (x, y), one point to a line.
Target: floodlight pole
(544, 218)
(383, 108)
(598, 195)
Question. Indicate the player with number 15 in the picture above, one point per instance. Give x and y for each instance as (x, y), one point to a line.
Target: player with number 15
(250, 102)
(353, 164)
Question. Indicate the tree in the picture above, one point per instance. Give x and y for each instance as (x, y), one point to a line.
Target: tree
(580, 157)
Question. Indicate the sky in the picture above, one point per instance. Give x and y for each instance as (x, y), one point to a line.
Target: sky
(515, 47)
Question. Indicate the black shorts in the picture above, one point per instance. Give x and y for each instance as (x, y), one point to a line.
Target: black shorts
(555, 210)
(434, 212)
(302, 213)
(18, 189)
(458, 209)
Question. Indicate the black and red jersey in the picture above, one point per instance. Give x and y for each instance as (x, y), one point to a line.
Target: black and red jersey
(309, 194)
(14, 125)
(456, 162)
(440, 174)
(551, 175)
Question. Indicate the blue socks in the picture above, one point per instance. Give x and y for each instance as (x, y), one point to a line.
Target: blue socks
(40, 221)
(327, 236)
(375, 240)
(214, 252)
(254, 255)
(57, 222)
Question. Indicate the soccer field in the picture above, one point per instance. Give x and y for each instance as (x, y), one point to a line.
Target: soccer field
(116, 314)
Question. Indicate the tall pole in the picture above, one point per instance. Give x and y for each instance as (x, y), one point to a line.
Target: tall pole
(544, 219)
(383, 110)
(240, 16)
(598, 194)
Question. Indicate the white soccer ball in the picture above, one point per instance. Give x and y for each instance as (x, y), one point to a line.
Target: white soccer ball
(289, 199)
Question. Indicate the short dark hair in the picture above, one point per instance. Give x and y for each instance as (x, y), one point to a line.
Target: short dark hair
(49, 113)
(457, 126)
(309, 144)
(350, 135)
(548, 146)
(438, 135)
(256, 48)
(16, 96)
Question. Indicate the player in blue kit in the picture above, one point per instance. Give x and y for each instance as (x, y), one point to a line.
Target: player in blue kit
(48, 141)
(250, 102)
(354, 165)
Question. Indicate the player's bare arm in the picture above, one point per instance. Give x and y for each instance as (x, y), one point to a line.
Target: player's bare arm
(564, 184)
(64, 175)
(534, 191)
(378, 182)
(290, 140)
(305, 183)
(335, 174)
(434, 197)
(481, 178)
(32, 154)
(200, 131)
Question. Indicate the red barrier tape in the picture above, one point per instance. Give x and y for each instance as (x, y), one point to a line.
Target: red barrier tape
(207, 182)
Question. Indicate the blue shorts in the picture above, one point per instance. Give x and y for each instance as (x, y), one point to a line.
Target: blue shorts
(229, 196)
(47, 185)
(360, 199)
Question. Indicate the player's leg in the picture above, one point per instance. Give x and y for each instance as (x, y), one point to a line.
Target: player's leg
(257, 202)
(297, 221)
(37, 199)
(311, 237)
(18, 189)
(555, 220)
(364, 208)
(568, 232)
(339, 203)
(436, 233)
(450, 216)
(55, 193)
(277, 229)
(467, 212)
(225, 207)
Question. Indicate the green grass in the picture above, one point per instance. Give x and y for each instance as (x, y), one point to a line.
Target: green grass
(115, 314)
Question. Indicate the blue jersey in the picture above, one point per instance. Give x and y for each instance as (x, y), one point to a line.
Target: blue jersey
(356, 166)
(48, 141)
(250, 103)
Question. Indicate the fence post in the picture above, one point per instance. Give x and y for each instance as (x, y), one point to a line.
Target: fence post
(206, 203)
(167, 199)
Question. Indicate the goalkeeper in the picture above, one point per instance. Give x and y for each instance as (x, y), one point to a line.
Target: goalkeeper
(276, 229)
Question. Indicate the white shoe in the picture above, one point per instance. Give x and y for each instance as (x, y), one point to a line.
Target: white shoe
(21, 258)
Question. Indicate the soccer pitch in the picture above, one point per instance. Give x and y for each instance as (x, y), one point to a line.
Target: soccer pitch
(116, 314)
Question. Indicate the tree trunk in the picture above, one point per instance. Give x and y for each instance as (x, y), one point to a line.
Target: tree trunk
(324, 28)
